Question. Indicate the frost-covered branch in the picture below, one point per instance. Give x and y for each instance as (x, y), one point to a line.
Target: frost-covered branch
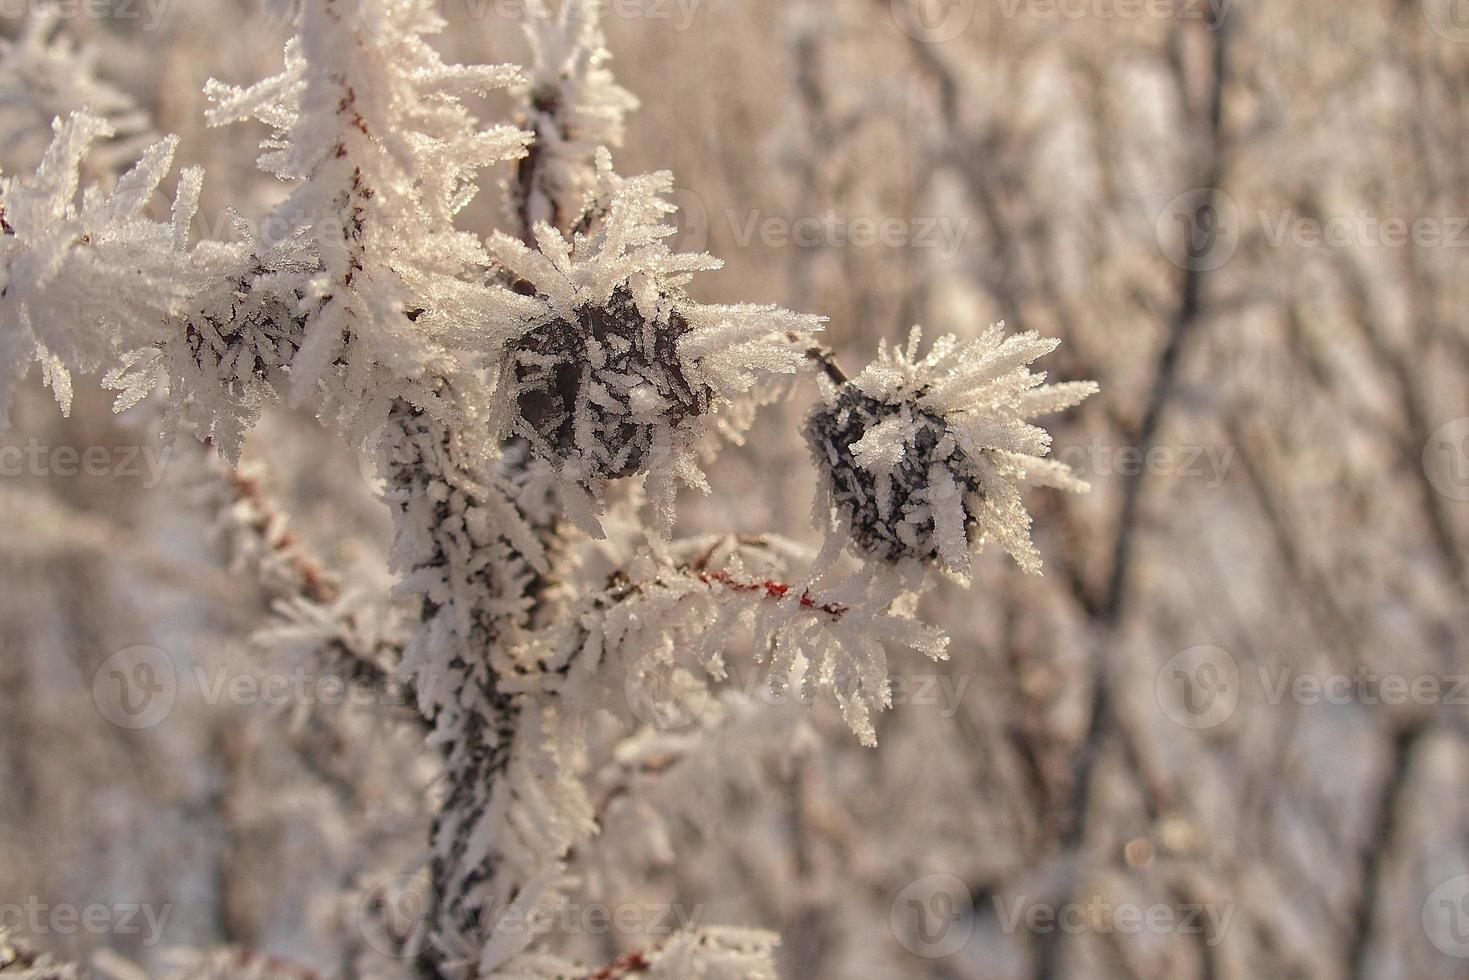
(572, 107)
(534, 403)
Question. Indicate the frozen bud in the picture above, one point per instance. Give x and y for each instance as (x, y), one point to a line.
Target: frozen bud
(923, 459)
(597, 386)
(610, 369)
(880, 459)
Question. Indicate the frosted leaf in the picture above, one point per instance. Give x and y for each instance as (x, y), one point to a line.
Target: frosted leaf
(85, 281)
(833, 636)
(371, 128)
(572, 105)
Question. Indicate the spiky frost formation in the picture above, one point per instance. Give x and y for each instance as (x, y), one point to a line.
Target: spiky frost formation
(228, 357)
(45, 75)
(715, 954)
(572, 104)
(373, 132)
(695, 600)
(83, 281)
(617, 371)
(924, 459)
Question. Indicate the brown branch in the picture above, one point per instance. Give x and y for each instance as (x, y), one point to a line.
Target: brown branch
(1379, 846)
(311, 578)
(772, 589)
(624, 966)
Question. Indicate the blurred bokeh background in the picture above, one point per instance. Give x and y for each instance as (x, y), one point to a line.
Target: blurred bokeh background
(1223, 736)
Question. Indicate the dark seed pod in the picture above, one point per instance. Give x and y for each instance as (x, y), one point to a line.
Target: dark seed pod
(894, 520)
(594, 390)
